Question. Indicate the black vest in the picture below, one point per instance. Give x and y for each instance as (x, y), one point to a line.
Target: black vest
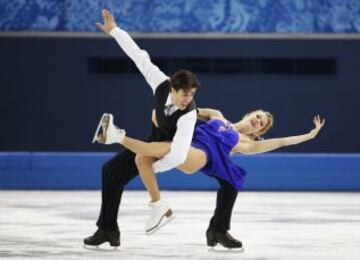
(167, 124)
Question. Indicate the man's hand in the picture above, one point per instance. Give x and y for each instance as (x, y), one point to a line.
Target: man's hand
(109, 21)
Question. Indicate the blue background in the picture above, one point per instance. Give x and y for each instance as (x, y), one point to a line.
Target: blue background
(185, 16)
(295, 172)
(50, 102)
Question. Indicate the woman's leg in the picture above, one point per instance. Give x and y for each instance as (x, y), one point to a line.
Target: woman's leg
(147, 153)
(160, 209)
(144, 165)
(195, 160)
(153, 149)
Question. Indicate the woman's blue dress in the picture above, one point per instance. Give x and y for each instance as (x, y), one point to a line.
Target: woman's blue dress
(217, 138)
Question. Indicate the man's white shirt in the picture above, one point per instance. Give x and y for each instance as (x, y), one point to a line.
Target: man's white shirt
(154, 76)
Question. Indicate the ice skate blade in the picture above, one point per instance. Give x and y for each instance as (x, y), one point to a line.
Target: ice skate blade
(101, 125)
(222, 249)
(163, 222)
(101, 248)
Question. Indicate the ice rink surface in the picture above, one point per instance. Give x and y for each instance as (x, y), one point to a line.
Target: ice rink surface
(271, 225)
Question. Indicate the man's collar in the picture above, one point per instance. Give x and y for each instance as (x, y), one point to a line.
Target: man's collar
(169, 101)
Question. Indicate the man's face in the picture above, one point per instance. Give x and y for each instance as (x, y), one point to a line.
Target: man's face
(182, 98)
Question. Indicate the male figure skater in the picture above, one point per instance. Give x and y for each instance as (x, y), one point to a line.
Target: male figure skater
(176, 115)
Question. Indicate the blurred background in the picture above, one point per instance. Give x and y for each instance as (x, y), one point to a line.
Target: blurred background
(294, 58)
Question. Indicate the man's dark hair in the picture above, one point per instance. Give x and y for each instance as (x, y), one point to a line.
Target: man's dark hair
(185, 80)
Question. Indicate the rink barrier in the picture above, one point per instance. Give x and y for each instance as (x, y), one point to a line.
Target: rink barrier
(268, 172)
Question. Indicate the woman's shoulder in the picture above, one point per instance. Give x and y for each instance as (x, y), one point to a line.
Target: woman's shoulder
(219, 120)
(243, 142)
(244, 138)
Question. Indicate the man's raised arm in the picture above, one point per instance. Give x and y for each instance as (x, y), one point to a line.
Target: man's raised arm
(153, 75)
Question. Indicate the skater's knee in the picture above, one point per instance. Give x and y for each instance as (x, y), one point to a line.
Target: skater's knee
(141, 160)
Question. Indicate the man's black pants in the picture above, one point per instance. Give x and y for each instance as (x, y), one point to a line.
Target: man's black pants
(225, 201)
(116, 173)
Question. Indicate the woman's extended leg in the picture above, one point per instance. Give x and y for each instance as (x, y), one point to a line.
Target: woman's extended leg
(147, 154)
(144, 166)
(152, 149)
(196, 159)
(160, 209)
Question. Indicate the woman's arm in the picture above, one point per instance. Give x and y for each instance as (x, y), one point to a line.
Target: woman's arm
(208, 113)
(254, 147)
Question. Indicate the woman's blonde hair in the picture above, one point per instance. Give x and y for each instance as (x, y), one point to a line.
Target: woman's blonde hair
(266, 127)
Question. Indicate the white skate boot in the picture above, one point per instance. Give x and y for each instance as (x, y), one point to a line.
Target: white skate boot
(161, 214)
(96, 137)
(111, 134)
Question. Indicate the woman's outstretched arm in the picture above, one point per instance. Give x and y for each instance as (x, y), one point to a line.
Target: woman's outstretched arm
(254, 147)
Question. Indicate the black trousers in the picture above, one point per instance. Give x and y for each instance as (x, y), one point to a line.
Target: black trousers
(118, 171)
(225, 200)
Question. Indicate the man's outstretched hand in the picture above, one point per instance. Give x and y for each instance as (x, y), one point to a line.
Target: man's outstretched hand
(109, 21)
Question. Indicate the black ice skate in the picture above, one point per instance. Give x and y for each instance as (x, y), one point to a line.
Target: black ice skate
(101, 236)
(223, 238)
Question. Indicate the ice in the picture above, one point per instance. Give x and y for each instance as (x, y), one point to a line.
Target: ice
(271, 225)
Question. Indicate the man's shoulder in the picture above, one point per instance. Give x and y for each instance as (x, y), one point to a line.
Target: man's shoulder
(190, 112)
(192, 106)
(163, 88)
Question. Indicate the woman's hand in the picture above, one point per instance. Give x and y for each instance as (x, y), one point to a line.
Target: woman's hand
(318, 125)
(109, 21)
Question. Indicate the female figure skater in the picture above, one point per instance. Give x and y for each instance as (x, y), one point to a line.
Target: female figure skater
(213, 142)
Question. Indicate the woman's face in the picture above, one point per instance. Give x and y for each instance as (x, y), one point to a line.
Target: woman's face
(256, 121)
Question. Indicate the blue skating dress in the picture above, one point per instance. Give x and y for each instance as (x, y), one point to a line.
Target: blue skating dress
(217, 139)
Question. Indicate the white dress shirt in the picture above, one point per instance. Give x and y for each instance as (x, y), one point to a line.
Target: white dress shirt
(154, 76)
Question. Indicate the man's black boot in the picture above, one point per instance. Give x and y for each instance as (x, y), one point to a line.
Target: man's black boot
(98, 238)
(224, 238)
(113, 238)
(101, 236)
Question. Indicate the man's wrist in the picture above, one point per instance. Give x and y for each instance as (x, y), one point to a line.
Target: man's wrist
(113, 30)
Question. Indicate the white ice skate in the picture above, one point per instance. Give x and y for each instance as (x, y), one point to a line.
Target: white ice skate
(110, 133)
(161, 214)
(96, 137)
